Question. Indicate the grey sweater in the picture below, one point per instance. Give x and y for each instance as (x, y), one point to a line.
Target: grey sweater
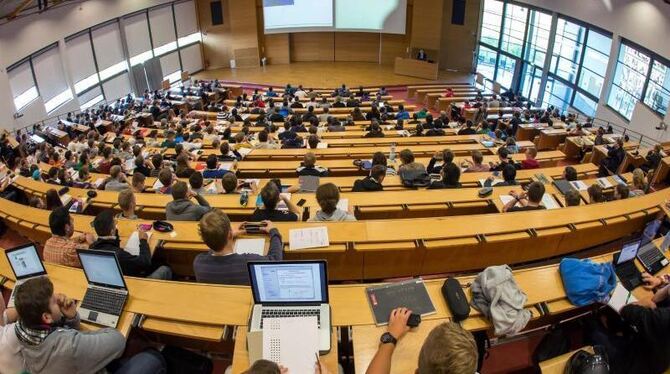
(185, 210)
(68, 351)
(337, 215)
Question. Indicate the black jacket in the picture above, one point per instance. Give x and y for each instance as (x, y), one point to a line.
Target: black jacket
(648, 350)
(134, 266)
(367, 184)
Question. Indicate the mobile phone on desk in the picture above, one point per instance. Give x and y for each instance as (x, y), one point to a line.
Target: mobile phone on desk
(254, 227)
(301, 202)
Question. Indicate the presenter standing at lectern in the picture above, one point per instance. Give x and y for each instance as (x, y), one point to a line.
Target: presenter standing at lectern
(422, 55)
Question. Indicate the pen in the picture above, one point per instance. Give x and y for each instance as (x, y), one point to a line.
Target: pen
(627, 298)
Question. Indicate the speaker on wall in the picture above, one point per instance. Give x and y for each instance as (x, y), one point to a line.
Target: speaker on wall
(458, 12)
(217, 12)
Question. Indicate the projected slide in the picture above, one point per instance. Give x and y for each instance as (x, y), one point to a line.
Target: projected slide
(374, 15)
(280, 15)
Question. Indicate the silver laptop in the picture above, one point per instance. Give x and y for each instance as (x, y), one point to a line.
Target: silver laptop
(291, 289)
(26, 264)
(107, 293)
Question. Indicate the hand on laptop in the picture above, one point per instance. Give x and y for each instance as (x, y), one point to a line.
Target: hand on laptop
(398, 322)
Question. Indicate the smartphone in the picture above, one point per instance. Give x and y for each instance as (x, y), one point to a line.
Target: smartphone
(253, 227)
(63, 191)
(301, 202)
(145, 226)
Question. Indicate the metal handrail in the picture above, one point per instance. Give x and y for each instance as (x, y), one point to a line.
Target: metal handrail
(642, 139)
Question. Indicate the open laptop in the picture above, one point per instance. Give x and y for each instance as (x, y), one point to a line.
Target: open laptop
(291, 289)
(107, 292)
(624, 265)
(26, 264)
(650, 256)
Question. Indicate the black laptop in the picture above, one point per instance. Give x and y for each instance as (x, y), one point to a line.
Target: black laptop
(624, 265)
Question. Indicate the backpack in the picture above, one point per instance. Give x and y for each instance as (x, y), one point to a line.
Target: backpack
(583, 362)
(587, 282)
(415, 178)
(553, 344)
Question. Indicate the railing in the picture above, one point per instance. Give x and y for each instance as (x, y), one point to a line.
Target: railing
(642, 139)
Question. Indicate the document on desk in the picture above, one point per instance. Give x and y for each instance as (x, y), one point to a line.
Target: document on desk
(227, 166)
(291, 342)
(507, 198)
(343, 204)
(254, 246)
(244, 151)
(579, 185)
(313, 237)
(157, 185)
(321, 145)
(620, 298)
(548, 202)
(133, 244)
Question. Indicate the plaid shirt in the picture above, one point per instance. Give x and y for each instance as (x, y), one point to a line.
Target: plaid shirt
(63, 251)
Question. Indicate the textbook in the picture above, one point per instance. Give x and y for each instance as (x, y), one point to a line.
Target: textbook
(411, 294)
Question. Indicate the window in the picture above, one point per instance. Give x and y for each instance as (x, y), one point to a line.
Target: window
(486, 62)
(81, 62)
(174, 77)
(137, 38)
(58, 100)
(187, 23)
(594, 67)
(514, 29)
(505, 71)
(189, 39)
(86, 83)
(631, 72)
(24, 89)
(538, 38)
(49, 73)
(557, 93)
(94, 101)
(109, 50)
(658, 90)
(162, 30)
(135, 60)
(491, 22)
(584, 104)
(25, 98)
(113, 70)
(567, 52)
(165, 48)
(531, 81)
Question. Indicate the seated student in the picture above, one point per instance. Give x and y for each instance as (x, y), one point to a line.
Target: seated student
(448, 349)
(169, 142)
(529, 200)
(183, 169)
(270, 196)
(166, 178)
(309, 167)
(327, 195)
(639, 183)
(105, 163)
(573, 198)
(137, 182)
(408, 165)
(142, 166)
(50, 342)
(467, 130)
(373, 182)
(375, 131)
(230, 184)
(509, 178)
(212, 171)
(127, 204)
(503, 160)
(510, 144)
(313, 141)
(157, 163)
(402, 113)
(61, 247)
(476, 165)
(131, 265)
(569, 174)
(227, 154)
(117, 180)
(264, 141)
(221, 265)
(10, 352)
(621, 192)
(451, 174)
(181, 208)
(446, 156)
(530, 162)
(595, 194)
(615, 156)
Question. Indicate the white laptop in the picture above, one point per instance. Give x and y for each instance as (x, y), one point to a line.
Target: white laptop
(26, 264)
(291, 289)
(107, 293)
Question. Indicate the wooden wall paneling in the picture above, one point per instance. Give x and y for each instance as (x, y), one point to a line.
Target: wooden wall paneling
(357, 46)
(427, 25)
(312, 46)
(277, 49)
(393, 46)
(459, 41)
(216, 40)
(244, 29)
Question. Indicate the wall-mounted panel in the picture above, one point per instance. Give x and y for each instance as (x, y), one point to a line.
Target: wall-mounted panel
(427, 24)
(191, 58)
(277, 48)
(357, 46)
(117, 87)
(312, 46)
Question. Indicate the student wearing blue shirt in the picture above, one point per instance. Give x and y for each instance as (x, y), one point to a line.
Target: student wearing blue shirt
(402, 113)
(212, 171)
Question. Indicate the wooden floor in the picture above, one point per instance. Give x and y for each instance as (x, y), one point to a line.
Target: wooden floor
(325, 74)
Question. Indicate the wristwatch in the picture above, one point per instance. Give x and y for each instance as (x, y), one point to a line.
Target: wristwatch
(388, 338)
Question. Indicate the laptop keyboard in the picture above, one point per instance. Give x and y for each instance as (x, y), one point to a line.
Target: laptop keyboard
(103, 301)
(289, 313)
(650, 257)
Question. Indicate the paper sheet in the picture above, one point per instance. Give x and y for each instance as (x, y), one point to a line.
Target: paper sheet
(549, 202)
(322, 145)
(226, 166)
(133, 244)
(281, 205)
(507, 198)
(255, 246)
(291, 342)
(620, 298)
(343, 204)
(65, 198)
(157, 185)
(579, 185)
(604, 182)
(313, 237)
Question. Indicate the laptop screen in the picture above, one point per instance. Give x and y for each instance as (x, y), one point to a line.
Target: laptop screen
(101, 269)
(629, 251)
(25, 262)
(301, 282)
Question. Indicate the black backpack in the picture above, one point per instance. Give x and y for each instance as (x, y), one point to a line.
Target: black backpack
(415, 178)
(180, 360)
(583, 362)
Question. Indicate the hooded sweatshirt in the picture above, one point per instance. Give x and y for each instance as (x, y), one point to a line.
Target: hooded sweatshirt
(185, 210)
(337, 215)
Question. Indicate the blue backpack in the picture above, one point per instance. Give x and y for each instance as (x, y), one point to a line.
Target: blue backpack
(586, 282)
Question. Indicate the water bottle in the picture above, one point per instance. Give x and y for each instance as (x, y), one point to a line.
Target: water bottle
(392, 154)
(244, 198)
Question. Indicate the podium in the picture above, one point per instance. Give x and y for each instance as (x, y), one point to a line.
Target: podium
(415, 68)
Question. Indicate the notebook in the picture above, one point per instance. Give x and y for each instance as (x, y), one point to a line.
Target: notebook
(254, 246)
(313, 237)
(291, 342)
(620, 298)
(133, 244)
(411, 294)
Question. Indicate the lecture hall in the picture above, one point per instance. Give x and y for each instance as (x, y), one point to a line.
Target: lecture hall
(334, 186)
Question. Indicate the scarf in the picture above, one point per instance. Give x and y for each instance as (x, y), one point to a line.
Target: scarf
(32, 336)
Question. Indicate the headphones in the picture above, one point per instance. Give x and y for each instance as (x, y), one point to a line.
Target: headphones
(163, 226)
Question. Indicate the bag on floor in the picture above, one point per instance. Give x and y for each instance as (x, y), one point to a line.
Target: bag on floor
(181, 360)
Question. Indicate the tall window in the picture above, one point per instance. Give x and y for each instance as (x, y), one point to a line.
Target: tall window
(596, 56)
(567, 50)
(658, 90)
(505, 71)
(491, 22)
(22, 83)
(514, 29)
(538, 38)
(631, 72)
(557, 94)
(486, 62)
(531, 82)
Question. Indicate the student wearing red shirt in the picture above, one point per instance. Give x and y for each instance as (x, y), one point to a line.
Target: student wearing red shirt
(530, 162)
